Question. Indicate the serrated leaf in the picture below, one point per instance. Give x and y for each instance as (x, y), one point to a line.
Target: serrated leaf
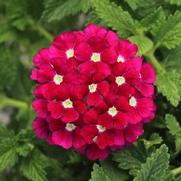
(169, 84)
(174, 129)
(155, 166)
(172, 125)
(106, 172)
(151, 20)
(144, 44)
(113, 173)
(169, 35)
(57, 9)
(173, 59)
(154, 139)
(136, 155)
(98, 173)
(115, 17)
(8, 155)
(145, 8)
(34, 166)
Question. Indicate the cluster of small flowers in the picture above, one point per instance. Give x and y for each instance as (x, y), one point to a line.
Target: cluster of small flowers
(93, 94)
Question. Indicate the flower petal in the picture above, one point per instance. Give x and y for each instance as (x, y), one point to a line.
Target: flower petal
(40, 107)
(56, 109)
(88, 133)
(94, 153)
(90, 117)
(70, 115)
(93, 99)
(62, 138)
(148, 73)
(120, 121)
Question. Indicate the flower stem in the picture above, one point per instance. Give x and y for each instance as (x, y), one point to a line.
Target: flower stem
(6, 101)
(176, 171)
(153, 60)
(42, 31)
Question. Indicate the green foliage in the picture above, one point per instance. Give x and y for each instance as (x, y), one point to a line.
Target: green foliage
(169, 34)
(136, 155)
(174, 129)
(144, 43)
(106, 172)
(177, 2)
(117, 18)
(28, 25)
(8, 66)
(169, 84)
(34, 167)
(8, 156)
(98, 173)
(151, 20)
(58, 9)
(173, 59)
(155, 166)
(154, 139)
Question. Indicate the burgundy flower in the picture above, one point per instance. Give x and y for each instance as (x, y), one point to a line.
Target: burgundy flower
(94, 94)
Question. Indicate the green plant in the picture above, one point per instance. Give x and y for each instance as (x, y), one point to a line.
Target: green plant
(28, 25)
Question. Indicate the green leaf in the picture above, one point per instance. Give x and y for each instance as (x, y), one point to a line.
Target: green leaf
(106, 172)
(152, 19)
(172, 125)
(112, 172)
(4, 132)
(34, 166)
(154, 139)
(169, 35)
(144, 8)
(8, 156)
(98, 173)
(131, 158)
(169, 84)
(174, 129)
(144, 44)
(173, 59)
(8, 64)
(58, 9)
(115, 17)
(177, 2)
(155, 166)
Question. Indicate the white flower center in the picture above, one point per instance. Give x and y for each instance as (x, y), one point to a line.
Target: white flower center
(132, 101)
(94, 139)
(70, 127)
(96, 57)
(140, 76)
(70, 53)
(92, 87)
(58, 79)
(67, 103)
(120, 59)
(112, 111)
(100, 128)
(120, 80)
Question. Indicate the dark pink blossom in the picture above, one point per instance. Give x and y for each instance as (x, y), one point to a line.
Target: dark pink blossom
(93, 93)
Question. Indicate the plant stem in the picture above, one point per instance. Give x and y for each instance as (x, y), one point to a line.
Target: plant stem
(42, 31)
(153, 60)
(176, 171)
(6, 101)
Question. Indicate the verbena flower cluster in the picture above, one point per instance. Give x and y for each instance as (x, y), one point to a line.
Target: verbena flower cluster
(93, 94)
